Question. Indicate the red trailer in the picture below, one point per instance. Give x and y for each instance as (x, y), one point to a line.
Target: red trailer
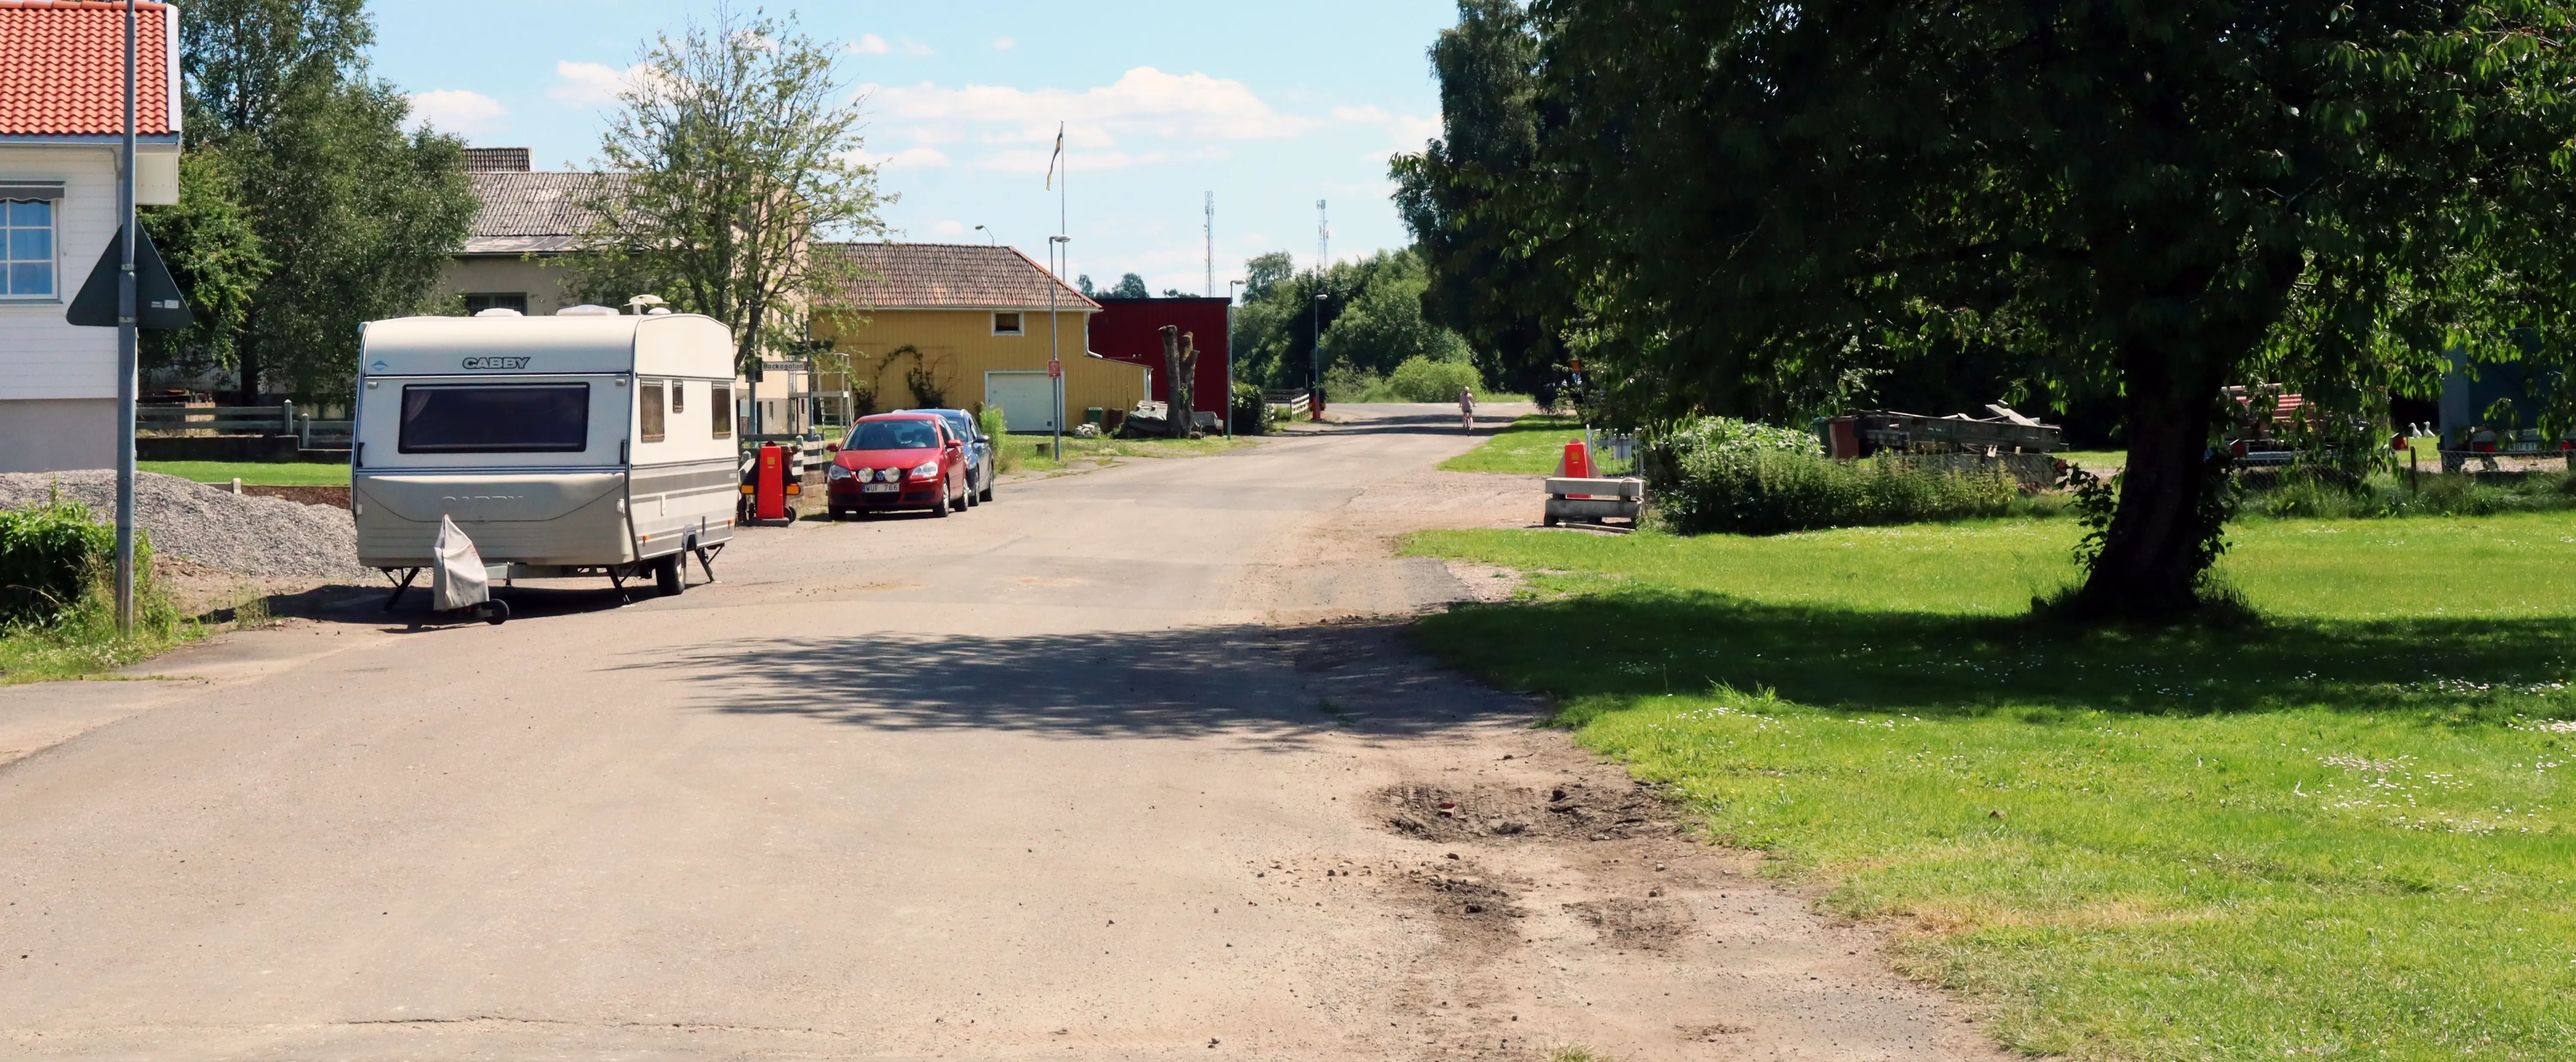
(1128, 330)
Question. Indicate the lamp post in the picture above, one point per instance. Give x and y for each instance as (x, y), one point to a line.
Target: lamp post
(1315, 362)
(988, 236)
(1055, 344)
(1229, 360)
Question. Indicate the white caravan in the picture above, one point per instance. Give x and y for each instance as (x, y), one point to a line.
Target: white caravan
(587, 443)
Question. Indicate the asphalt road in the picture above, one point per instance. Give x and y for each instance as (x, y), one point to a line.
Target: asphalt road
(1106, 769)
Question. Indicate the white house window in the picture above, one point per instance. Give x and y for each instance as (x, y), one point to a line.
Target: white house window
(27, 238)
(1007, 324)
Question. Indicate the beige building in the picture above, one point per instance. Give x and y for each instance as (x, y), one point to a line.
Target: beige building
(515, 254)
(966, 326)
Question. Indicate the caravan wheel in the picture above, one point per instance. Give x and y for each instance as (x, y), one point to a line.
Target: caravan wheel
(667, 576)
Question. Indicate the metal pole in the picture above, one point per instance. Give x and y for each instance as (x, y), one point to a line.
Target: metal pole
(1229, 362)
(1055, 341)
(125, 359)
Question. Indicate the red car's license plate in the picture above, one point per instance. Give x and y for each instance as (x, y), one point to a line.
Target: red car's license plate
(879, 488)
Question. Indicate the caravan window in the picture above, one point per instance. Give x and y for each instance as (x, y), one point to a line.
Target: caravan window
(648, 395)
(495, 418)
(720, 404)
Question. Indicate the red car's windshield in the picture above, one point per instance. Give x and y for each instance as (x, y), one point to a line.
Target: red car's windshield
(894, 435)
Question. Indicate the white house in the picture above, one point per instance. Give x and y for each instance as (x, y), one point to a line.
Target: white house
(62, 115)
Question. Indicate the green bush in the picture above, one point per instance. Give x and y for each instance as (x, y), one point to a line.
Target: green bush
(1421, 379)
(1719, 474)
(1247, 411)
(51, 555)
(2303, 495)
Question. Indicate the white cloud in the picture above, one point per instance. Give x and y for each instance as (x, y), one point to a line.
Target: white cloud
(1143, 101)
(591, 83)
(1004, 44)
(915, 48)
(870, 44)
(1406, 129)
(1034, 160)
(949, 228)
(457, 111)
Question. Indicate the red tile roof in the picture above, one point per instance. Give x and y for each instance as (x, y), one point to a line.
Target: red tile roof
(963, 275)
(62, 68)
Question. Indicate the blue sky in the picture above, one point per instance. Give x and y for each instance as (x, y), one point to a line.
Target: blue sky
(1271, 107)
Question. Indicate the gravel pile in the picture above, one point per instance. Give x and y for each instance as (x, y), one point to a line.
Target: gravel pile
(210, 525)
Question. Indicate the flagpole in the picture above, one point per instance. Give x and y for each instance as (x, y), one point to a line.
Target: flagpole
(125, 354)
(1063, 241)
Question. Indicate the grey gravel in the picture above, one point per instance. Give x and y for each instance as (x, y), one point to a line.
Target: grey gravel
(210, 525)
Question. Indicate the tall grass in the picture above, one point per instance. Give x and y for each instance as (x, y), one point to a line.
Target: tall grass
(2300, 495)
(1762, 493)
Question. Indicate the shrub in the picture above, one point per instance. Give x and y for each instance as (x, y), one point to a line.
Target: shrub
(1421, 379)
(1719, 474)
(51, 555)
(1246, 410)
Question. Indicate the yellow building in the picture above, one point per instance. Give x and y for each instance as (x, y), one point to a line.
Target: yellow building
(966, 326)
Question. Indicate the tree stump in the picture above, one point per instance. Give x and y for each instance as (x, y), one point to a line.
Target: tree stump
(1181, 361)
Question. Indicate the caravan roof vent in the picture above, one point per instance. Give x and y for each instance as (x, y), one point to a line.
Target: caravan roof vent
(585, 310)
(497, 311)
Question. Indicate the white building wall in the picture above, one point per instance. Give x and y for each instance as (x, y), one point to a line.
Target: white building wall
(41, 355)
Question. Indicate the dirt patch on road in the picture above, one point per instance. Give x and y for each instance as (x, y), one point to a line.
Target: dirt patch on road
(1574, 809)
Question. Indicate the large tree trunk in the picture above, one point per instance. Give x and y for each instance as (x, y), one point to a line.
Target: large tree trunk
(2151, 557)
(1181, 362)
(246, 359)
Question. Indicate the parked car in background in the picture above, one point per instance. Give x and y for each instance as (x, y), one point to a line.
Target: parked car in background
(980, 462)
(894, 461)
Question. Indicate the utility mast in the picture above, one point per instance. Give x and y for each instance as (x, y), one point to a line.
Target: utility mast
(1211, 243)
(1323, 238)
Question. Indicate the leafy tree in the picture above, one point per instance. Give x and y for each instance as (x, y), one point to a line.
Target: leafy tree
(1483, 283)
(1749, 200)
(1384, 326)
(244, 58)
(1129, 286)
(1371, 313)
(214, 253)
(359, 216)
(356, 216)
(735, 139)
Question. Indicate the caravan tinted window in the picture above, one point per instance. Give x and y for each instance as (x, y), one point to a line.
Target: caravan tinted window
(495, 418)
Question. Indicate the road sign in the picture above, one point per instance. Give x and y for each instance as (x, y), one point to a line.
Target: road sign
(158, 302)
(1055, 370)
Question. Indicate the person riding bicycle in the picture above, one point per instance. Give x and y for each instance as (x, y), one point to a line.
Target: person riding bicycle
(1467, 409)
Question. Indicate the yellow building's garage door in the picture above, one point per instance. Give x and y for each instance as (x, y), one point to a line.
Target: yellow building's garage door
(1027, 399)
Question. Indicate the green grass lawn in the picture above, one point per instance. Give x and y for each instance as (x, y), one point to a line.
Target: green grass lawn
(1531, 445)
(283, 474)
(2342, 832)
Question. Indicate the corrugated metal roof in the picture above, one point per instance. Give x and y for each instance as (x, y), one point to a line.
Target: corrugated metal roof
(961, 275)
(497, 159)
(62, 69)
(533, 212)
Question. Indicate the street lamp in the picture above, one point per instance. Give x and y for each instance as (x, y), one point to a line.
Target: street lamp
(1229, 359)
(988, 235)
(1055, 356)
(1315, 359)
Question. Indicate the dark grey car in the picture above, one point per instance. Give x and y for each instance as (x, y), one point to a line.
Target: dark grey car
(979, 450)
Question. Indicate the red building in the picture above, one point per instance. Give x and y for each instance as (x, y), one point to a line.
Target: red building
(1129, 330)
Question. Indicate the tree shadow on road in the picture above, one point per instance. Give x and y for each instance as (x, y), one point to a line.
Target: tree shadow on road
(1184, 683)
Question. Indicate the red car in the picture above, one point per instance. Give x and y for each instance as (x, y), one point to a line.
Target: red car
(900, 461)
